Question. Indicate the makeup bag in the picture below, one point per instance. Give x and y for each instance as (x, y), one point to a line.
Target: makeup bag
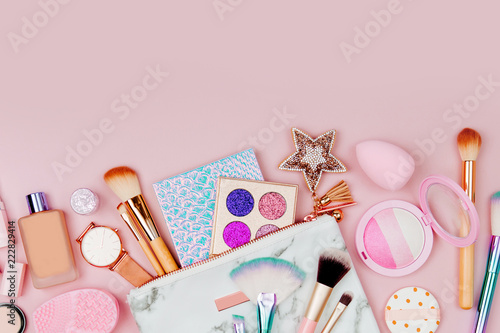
(183, 301)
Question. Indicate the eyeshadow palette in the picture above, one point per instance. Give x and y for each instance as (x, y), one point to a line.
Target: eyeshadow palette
(187, 202)
(246, 209)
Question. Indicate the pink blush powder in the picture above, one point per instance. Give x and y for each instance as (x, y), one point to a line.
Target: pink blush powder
(394, 238)
(272, 205)
(377, 246)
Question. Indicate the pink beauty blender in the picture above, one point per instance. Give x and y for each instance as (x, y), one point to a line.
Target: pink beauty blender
(388, 165)
(82, 311)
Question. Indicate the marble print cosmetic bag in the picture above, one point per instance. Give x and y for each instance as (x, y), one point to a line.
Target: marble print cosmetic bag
(183, 301)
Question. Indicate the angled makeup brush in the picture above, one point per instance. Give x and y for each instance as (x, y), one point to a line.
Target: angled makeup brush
(469, 143)
(138, 236)
(267, 282)
(332, 267)
(492, 269)
(124, 182)
(344, 302)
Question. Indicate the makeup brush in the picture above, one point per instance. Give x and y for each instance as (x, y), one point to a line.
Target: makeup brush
(138, 236)
(333, 266)
(267, 282)
(344, 302)
(492, 268)
(469, 143)
(239, 324)
(124, 182)
(270, 275)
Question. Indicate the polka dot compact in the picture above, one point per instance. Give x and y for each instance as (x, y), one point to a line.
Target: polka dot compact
(412, 309)
(394, 238)
(248, 209)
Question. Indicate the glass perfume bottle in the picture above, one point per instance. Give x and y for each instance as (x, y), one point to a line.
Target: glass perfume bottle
(46, 244)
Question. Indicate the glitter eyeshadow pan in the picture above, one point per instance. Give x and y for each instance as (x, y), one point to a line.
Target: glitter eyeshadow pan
(272, 205)
(248, 209)
(239, 202)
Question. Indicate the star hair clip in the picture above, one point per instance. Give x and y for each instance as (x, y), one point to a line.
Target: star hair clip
(312, 157)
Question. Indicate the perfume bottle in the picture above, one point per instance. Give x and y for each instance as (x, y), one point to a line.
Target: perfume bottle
(46, 244)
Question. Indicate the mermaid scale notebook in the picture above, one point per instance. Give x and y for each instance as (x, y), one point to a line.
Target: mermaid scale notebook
(183, 301)
(187, 202)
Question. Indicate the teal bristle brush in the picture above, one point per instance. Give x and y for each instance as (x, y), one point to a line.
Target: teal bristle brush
(239, 324)
(492, 269)
(267, 282)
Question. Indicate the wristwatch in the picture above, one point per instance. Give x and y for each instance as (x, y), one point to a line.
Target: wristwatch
(101, 246)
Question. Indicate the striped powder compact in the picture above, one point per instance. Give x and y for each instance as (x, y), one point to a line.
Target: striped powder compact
(394, 237)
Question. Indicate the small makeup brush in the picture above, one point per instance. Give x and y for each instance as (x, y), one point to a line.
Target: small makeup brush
(124, 182)
(492, 269)
(469, 143)
(344, 302)
(138, 236)
(267, 282)
(239, 324)
(332, 267)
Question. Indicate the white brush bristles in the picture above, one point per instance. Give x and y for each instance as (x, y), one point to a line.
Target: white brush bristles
(495, 214)
(124, 182)
(267, 275)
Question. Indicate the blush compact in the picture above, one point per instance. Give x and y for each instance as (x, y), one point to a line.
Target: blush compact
(394, 238)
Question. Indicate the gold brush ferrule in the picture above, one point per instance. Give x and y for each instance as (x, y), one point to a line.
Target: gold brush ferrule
(469, 179)
(318, 301)
(131, 224)
(137, 208)
(339, 309)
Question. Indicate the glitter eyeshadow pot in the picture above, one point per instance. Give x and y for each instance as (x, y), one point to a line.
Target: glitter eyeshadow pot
(84, 201)
(12, 319)
(394, 237)
(248, 209)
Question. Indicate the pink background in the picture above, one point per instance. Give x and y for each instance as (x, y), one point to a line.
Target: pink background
(230, 74)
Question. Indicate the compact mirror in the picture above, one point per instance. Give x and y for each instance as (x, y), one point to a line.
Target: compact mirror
(394, 237)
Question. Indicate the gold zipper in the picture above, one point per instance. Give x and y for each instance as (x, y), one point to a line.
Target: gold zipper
(225, 253)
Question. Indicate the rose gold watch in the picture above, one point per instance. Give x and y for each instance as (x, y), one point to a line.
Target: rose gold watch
(102, 247)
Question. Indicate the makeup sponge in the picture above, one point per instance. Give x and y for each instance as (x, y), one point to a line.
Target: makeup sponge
(388, 165)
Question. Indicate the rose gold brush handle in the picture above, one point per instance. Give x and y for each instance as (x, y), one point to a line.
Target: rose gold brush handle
(466, 270)
(163, 255)
(131, 223)
(138, 208)
(151, 257)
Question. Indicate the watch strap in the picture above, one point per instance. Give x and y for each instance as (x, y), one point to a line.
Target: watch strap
(131, 270)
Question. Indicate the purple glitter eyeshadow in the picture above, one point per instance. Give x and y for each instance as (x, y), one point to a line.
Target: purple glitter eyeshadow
(272, 205)
(265, 229)
(239, 202)
(236, 234)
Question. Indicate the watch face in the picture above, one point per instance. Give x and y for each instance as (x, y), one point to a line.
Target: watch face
(101, 246)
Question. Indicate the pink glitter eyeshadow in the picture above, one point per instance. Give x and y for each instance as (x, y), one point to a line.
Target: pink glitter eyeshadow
(236, 234)
(265, 229)
(272, 205)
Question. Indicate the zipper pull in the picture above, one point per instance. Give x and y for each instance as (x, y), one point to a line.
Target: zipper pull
(338, 193)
